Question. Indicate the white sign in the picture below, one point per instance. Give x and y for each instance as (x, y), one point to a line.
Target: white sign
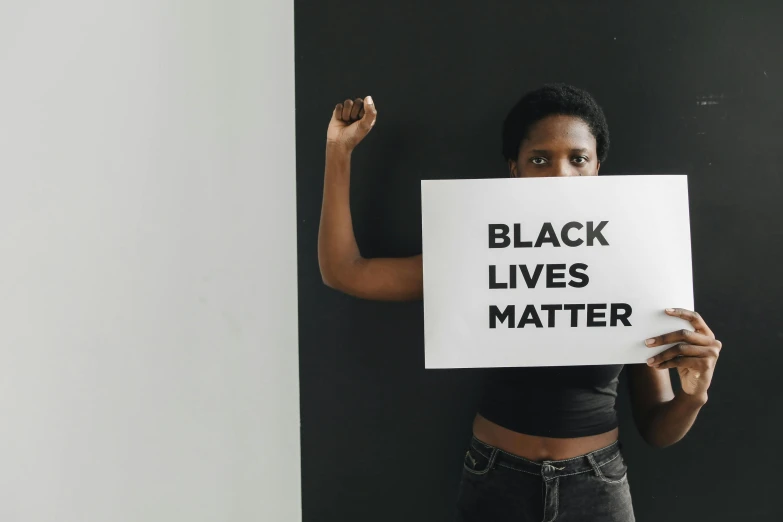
(553, 271)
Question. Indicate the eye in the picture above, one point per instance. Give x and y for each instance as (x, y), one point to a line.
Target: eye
(580, 160)
(538, 160)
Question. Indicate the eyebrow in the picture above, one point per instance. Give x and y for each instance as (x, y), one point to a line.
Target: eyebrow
(543, 151)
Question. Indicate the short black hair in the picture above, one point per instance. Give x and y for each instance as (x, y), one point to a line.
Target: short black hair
(554, 99)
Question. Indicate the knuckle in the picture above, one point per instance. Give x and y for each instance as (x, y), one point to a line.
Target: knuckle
(685, 332)
(718, 344)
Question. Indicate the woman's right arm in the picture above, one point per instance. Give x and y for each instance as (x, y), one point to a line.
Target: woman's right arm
(342, 265)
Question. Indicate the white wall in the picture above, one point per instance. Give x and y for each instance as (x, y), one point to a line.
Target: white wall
(148, 338)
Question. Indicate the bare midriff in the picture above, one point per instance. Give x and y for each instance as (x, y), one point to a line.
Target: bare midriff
(537, 448)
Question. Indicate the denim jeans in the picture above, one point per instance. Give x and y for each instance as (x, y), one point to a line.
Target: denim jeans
(498, 487)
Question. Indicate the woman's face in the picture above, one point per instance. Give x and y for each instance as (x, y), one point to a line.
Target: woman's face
(556, 146)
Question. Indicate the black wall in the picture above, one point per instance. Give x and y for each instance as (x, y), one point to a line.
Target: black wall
(688, 87)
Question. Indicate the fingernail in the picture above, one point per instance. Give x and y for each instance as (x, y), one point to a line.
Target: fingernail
(670, 310)
(649, 342)
(369, 100)
(650, 360)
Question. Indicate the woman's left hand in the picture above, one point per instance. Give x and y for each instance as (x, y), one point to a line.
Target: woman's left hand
(694, 356)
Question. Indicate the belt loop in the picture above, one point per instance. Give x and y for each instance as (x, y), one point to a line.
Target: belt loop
(493, 457)
(594, 465)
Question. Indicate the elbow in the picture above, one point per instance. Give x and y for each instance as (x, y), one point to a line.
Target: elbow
(657, 440)
(646, 426)
(340, 272)
(329, 277)
(335, 277)
(331, 281)
(326, 266)
(654, 442)
(660, 444)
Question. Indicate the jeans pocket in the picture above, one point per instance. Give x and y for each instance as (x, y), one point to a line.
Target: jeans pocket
(479, 462)
(613, 470)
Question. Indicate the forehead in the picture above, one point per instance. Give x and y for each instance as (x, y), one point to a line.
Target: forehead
(559, 131)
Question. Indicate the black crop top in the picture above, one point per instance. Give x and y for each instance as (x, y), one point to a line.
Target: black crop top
(552, 401)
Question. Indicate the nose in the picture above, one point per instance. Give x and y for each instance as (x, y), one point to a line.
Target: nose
(564, 168)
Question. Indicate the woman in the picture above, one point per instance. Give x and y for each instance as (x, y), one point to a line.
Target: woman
(545, 440)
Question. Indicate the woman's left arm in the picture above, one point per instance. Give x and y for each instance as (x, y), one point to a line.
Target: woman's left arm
(662, 416)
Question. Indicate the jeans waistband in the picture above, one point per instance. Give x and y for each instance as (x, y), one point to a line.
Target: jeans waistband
(548, 469)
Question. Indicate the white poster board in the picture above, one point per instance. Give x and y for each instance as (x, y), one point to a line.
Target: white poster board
(608, 252)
